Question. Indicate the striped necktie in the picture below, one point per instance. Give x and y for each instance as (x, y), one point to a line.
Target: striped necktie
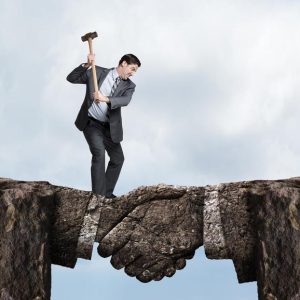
(113, 89)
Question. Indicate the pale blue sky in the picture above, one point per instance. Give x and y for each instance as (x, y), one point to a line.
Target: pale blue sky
(216, 101)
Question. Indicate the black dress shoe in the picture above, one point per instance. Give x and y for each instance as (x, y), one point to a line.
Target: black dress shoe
(111, 196)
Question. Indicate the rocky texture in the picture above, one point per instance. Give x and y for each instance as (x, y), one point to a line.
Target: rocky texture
(40, 224)
(71, 207)
(229, 231)
(256, 224)
(154, 239)
(277, 225)
(25, 264)
(150, 232)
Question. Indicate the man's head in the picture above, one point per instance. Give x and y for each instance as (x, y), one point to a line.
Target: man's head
(128, 65)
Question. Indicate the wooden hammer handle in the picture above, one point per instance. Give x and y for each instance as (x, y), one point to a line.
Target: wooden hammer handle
(93, 66)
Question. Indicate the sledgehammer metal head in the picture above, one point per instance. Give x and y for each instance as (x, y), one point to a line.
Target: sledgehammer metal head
(89, 38)
(91, 35)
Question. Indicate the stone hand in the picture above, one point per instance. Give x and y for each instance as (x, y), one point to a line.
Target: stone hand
(156, 238)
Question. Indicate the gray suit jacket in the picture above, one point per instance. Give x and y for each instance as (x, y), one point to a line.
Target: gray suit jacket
(121, 97)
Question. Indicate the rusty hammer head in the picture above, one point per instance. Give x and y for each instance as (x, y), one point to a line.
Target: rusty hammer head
(91, 35)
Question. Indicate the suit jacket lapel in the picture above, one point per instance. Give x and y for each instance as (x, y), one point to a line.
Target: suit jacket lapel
(120, 87)
(102, 77)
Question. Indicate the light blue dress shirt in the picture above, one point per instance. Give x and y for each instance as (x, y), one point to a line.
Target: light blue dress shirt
(100, 110)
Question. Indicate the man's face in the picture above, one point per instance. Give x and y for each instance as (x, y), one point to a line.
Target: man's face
(127, 70)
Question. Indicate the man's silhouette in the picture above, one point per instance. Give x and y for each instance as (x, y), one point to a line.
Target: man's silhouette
(100, 117)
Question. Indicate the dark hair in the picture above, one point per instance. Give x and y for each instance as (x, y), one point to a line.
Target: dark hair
(130, 59)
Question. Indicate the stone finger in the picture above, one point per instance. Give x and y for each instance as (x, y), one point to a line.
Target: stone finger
(140, 265)
(190, 255)
(180, 263)
(117, 238)
(170, 271)
(156, 271)
(128, 254)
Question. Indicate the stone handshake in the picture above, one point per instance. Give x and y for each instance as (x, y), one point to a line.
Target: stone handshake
(152, 230)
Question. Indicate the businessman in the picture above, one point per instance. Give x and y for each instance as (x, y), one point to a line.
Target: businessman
(100, 117)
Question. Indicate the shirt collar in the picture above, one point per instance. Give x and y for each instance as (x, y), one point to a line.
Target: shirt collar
(115, 74)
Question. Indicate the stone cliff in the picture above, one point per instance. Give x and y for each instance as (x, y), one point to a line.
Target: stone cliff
(151, 232)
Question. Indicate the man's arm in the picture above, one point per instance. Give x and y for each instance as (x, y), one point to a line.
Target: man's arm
(79, 74)
(115, 102)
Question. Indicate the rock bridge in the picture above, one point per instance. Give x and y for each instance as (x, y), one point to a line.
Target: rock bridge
(151, 232)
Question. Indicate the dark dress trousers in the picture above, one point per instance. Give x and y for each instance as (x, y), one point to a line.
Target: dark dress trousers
(99, 136)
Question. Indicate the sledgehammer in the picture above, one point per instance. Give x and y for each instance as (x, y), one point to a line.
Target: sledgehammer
(89, 37)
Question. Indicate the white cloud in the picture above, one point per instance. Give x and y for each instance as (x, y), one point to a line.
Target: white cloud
(213, 72)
